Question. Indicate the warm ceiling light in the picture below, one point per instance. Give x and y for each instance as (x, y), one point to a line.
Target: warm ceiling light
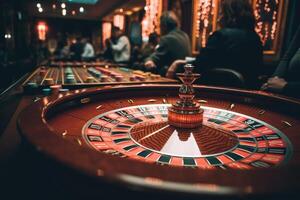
(81, 9)
(54, 6)
(73, 12)
(64, 12)
(63, 5)
(128, 12)
(42, 29)
(41, 10)
(121, 10)
(38, 5)
(135, 9)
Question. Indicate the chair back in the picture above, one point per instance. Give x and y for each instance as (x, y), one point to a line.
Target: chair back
(223, 77)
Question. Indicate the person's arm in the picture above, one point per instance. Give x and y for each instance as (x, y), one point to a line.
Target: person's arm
(120, 44)
(91, 51)
(158, 57)
(173, 68)
(88, 51)
(85, 51)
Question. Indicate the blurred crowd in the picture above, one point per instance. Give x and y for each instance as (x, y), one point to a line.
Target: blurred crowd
(235, 48)
(118, 49)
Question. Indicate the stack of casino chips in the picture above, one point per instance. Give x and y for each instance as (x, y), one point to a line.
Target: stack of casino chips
(69, 76)
(53, 90)
(31, 88)
(94, 72)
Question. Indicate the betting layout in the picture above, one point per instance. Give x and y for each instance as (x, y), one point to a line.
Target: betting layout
(226, 139)
(79, 75)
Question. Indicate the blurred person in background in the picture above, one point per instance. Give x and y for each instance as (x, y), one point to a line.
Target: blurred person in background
(108, 52)
(234, 46)
(173, 45)
(120, 49)
(286, 78)
(88, 50)
(65, 51)
(76, 49)
(149, 47)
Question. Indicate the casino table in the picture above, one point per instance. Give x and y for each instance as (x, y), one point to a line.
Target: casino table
(74, 75)
(119, 137)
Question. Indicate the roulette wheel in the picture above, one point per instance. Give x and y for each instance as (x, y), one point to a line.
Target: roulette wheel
(245, 143)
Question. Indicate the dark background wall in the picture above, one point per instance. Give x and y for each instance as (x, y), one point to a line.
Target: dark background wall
(15, 52)
(78, 27)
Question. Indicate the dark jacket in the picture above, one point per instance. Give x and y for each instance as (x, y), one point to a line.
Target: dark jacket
(172, 46)
(236, 49)
(77, 50)
(289, 67)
